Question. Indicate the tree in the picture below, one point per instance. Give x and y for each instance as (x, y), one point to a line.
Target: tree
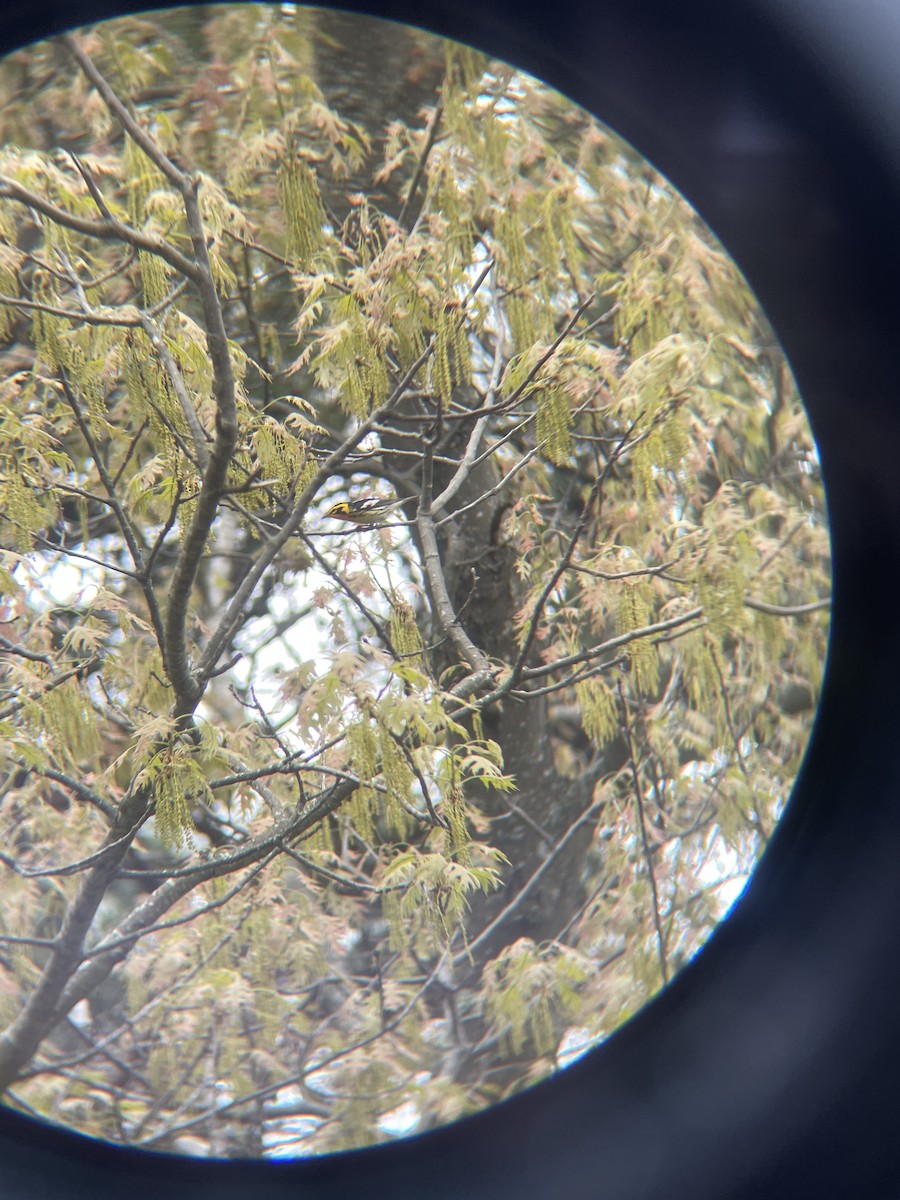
(316, 832)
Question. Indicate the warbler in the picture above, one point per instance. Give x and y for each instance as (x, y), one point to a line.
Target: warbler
(370, 510)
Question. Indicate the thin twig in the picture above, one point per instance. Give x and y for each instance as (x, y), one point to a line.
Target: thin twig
(645, 842)
(430, 138)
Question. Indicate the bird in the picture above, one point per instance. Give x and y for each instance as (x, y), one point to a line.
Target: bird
(368, 510)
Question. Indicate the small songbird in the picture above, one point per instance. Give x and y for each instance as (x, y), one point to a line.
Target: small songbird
(369, 510)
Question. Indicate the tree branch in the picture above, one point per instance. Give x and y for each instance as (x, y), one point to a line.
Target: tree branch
(187, 688)
(122, 115)
(198, 434)
(430, 138)
(648, 851)
(110, 230)
(128, 535)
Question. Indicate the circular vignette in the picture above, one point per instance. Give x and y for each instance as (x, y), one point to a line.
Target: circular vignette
(755, 1069)
(713, 512)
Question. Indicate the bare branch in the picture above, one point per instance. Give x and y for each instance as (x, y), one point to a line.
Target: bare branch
(188, 689)
(198, 433)
(97, 316)
(787, 610)
(110, 230)
(522, 895)
(565, 559)
(128, 534)
(430, 138)
(469, 454)
(104, 958)
(449, 623)
(648, 851)
(122, 115)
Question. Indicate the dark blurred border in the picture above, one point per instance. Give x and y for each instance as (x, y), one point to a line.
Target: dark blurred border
(770, 1068)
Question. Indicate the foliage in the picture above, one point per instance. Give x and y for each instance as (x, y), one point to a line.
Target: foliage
(314, 835)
